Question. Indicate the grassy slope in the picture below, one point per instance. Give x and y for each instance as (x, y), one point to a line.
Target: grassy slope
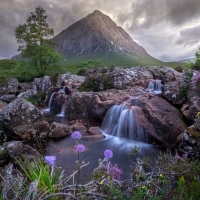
(9, 68)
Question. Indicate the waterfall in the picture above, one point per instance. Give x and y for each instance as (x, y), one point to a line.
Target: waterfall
(121, 121)
(154, 86)
(50, 100)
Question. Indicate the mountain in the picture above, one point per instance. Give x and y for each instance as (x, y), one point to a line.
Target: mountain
(97, 36)
(186, 60)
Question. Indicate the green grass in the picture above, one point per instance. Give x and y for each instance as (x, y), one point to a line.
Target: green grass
(16, 69)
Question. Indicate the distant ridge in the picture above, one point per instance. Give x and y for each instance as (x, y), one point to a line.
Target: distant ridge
(185, 60)
(97, 36)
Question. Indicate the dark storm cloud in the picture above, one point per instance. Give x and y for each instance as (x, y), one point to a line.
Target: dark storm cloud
(174, 12)
(189, 36)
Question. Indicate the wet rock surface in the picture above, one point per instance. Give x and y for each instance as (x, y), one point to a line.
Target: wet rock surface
(58, 130)
(163, 117)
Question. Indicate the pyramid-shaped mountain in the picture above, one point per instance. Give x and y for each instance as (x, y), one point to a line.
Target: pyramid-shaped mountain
(97, 36)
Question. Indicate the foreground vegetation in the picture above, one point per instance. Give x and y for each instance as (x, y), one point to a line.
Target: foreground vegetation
(169, 177)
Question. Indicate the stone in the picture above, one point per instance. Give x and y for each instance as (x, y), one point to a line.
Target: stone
(8, 98)
(23, 119)
(167, 125)
(71, 80)
(13, 85)
(193, 131)
(17, 151)
(2, 104)
(58, 130)
(95, 130)
(27, 94)
(79, 127)
(42, 84)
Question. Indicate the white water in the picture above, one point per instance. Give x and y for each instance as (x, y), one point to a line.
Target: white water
(155, 87)
(50, 100)
(121, 121)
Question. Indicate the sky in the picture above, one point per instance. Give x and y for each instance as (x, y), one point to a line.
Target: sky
(169, 30)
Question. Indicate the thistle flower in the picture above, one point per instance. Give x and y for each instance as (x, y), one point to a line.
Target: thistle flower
(50, 159)
(108, 153)
(80, 148)
(76, 135)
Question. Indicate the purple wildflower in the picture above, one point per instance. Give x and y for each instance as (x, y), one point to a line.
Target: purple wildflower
(80, 148)
(50, 159)
(115, 172)
(76, 135)
(185, 155)
(108, 153)
(195, 79)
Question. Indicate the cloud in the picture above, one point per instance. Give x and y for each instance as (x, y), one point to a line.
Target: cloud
(160, 26)
(189, 36)
(171, 12)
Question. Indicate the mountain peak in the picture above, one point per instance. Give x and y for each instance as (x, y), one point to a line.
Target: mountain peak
(97, 36)
(97, 12)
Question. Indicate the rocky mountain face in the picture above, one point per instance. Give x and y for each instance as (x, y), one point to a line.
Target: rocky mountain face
(98, 36)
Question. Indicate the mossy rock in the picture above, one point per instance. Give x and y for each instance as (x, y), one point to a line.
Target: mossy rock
(192, 130)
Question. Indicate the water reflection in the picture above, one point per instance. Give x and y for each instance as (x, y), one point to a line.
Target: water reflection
(64, 150)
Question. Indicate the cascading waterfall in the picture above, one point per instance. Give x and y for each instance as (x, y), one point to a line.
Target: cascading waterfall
(154, 86)
(50, 100)
(121, 121)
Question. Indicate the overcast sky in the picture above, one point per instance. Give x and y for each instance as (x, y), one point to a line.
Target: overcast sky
(168, 29)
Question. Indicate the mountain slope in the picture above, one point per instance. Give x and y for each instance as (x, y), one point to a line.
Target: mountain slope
(97, 37)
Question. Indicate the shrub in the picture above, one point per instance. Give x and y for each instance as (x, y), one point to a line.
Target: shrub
(3, 81)
(179, 68)
(187, 82)
(38, 98)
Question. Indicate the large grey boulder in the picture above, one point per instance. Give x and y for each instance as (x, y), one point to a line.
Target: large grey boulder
(23, 119)
(13, 85)
(42, 84)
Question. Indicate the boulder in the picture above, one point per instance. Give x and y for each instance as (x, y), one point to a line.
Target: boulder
(58, 130)
(189, 145)
(95, 130)
(74, 81)
(164, 118)
(2, 104)
(42, 84)
(3, 90)
(172, 83)
(122, 78)
(8, 98)
(23, 119)
(58, 103)
(18, 151)
(13, 85)
(27, 94)
(192, 105)
(79, 127)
